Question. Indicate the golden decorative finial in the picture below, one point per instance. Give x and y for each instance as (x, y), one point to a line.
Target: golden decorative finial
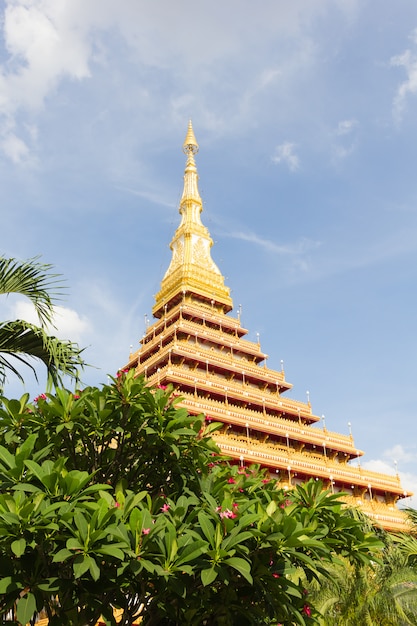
(190, 145)
(192, 270)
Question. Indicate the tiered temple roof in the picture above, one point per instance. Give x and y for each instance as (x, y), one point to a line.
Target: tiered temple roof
(198, 347)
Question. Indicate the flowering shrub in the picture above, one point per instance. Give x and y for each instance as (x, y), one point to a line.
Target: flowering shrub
(121, 499)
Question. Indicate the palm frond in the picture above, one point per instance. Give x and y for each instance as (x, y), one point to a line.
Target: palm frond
(21, 340)
(412, 516)
(35, 281)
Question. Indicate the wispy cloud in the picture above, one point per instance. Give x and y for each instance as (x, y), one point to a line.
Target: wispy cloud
(408, 61)
(345, 127)
(345, 138)
(285, 153)
(300, 247)
(149, 195)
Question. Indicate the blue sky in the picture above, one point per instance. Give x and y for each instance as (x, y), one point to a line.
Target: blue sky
(305, 113)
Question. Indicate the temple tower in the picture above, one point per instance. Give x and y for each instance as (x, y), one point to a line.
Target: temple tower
(199, 348)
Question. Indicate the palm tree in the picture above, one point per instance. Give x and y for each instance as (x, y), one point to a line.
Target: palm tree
(384, 594)
(21, 341)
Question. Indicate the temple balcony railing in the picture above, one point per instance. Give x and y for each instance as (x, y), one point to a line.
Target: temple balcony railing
(268, 424)
(268, 454)
(208, 357)
(231, 364)
(200, 331)
(206, 313)
(387, 515)
(217, 336)
(202, 311)
(200, 381)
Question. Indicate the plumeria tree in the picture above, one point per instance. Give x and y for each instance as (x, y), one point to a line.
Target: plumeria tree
(22, 343)
(115, 498)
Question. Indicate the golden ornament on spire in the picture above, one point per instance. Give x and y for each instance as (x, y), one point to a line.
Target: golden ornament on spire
(190, 144)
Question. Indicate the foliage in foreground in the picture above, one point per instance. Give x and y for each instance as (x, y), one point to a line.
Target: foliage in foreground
(20, 341)
(117, 498)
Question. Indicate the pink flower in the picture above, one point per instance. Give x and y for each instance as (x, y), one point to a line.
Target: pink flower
(76, 397)
(306, 610)
(162, 387)
(146, 531)
(117, 505)
(266, 480)
(165, 507)
(227, 514)
(42, 396)
(231, 481)
(275, 575)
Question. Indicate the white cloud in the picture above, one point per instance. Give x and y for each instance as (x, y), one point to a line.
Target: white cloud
(15, 148)
(408, 61)
(400, 454)
(408, 480)
(68, 324)
(51, 41)
(345, 127)
(45, 42)
(284, 153)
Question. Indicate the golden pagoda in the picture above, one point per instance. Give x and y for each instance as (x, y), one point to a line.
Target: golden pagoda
(202, 351)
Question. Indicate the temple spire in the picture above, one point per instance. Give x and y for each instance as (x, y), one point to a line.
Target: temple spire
(190, 145)
(192, 270)
(191, 203)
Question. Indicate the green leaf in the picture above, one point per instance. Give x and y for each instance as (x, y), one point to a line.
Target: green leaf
(7, 584)
(231, 540)
(18, 547)
(74, 544)
(7, 458)
(50, 585)
(271, 508)
(206, 526)
(111, 551)
(26, 607)
(208, 576)
(192, 551)
(94, 569)
(62, 555)
(81, 524)
(242, 566)
(81, 565)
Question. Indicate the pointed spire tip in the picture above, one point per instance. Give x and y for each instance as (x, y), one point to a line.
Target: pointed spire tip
(190, 145)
